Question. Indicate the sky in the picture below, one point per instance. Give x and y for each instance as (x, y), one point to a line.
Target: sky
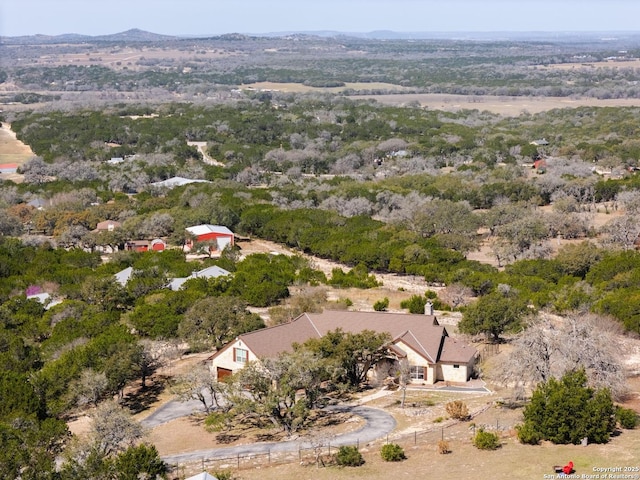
(204, 17)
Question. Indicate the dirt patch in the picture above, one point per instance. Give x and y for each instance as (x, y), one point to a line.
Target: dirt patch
(501, 105)
(12, 150)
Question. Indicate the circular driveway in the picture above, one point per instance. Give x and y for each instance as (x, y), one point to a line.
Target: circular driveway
(378, 425)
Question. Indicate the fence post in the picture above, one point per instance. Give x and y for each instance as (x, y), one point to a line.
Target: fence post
(269, 452)
(238, 461)
(442, 434)
(415, 437)
(358, 443)
(329, 448)
(299, 453)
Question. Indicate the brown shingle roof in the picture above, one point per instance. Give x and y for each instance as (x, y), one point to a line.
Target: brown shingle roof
(420, 332)
(269, 342)
(455, 351)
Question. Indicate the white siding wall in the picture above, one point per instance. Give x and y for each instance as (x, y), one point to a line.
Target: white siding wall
(226, 358)
(418, 360)
(451, 374)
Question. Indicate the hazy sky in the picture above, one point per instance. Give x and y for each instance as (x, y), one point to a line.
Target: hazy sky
(195, 17)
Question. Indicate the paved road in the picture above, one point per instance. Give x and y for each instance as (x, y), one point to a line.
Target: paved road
(171, 411)
(378, 424)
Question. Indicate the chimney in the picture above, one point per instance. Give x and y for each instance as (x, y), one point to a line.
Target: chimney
(428, 308)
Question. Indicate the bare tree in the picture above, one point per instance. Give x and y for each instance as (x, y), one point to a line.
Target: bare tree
(622, 231)
(114, 429)
(630, 200)
(552, 346)
(456, 295)
(200, 384)
(91, 387)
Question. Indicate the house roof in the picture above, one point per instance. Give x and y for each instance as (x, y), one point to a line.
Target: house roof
(45, 299)
(209, 272)
(421, 333)
(37, 203)
(454, 351)
(139, 243)
(107, 223)
(177, 182)
(202, 476)
(206, 228)
(123, 276)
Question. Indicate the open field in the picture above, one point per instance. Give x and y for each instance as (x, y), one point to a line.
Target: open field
(120, 57)
(12, 150)
(501, 105)
(507, 106)
(301, 88)
(635, 63)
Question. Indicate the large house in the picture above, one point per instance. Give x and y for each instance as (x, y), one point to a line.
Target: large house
(431, 353)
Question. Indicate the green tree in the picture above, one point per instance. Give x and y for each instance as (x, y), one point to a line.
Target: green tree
(493, 314)
(275, 388)
(566, 411)
(30, 447)
(140, 460)
(261, 279)
(353, 353)
(213, 321)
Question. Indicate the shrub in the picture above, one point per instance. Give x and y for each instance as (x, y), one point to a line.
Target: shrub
(567, 410)
(438, 420)
(626, 417)
(486, 440)
(381, 305)
(349, 457)
(443, 447)
(457, 410)
(527, 434)
(392, 452)
(224, 475)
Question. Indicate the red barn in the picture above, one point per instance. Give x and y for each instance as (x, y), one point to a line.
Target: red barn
(203, 233)
(158, 245)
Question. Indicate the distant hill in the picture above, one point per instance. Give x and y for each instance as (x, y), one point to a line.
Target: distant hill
(137, 35)
(133, 35)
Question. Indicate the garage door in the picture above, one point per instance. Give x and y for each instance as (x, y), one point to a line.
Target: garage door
(223, 373)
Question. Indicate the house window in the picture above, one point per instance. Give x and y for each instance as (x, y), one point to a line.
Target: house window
(456, 366)
(240, 355)
(417, 372)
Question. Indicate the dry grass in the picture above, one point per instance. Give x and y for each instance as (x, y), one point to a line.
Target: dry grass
(511, 461)
(507, 106)
(11, 149)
